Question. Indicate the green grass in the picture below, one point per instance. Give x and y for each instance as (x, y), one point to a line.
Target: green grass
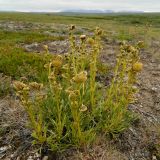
(25, 37)
(130, 27)
(152, 18)
(15, 62)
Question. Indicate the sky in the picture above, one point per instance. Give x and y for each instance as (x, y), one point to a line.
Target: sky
(59, 5)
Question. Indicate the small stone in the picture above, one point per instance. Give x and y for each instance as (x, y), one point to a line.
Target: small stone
(30, 158)
(157, 106)
(37, 155)
(12, 155)
(154, 158)
(146, 154)
(18, 158)
(31, 47)
(4, 149)
(45, 158)
(140, 106)
(154, 89)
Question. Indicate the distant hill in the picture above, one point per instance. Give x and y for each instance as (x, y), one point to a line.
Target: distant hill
(87, 11)
(80, 11)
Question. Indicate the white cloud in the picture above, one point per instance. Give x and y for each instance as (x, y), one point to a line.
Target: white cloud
(54, 5)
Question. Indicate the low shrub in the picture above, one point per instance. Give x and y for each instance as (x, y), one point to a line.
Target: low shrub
(73, 109)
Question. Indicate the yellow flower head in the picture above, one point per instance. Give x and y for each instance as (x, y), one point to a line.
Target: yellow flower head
(74, 104)
(72, 27)
(19, 85)
(131, 49)
(137, 67)
(140, 44)
(72, 96)
(52, 76)
(90, 41)
(98, 31)
(83, 108)
(45, 47)
(35, 85)
(81, 77)
(46, 66)
(57, 62)
(41, 97)
(83, 37)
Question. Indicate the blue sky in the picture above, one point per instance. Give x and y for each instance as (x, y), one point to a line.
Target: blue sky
(57, 5)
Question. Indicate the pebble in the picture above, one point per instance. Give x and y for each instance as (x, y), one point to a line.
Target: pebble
(140, 106)
(4, 148)
(37, 155)
(146, 154)
(157, 106)
(154, 158)
(30, 158)
(30, 47)
(45, 158)
(18, 158)
(154, 89)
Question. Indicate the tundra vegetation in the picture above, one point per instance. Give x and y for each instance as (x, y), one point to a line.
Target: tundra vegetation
(73, 109)
(89, 93)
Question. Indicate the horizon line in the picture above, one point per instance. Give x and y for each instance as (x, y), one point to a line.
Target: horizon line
(78, 11)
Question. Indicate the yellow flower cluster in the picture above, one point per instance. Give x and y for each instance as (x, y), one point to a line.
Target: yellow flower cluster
(140, 44)
(137, 67)
(45, 47)
(73, 94)
(91, 41)
(19, 86)
(98, 31)
(80, 78)
(35, 86)
(57, 62)
(83, 108)
(52, 76)
(83, 37)
(72, 27)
